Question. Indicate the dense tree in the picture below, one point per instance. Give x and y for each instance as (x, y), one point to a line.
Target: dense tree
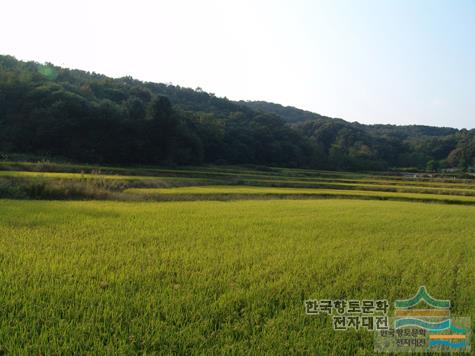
(52, 111)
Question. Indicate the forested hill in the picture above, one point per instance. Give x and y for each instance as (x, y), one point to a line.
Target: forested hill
(288, 113)
(51, 111)
(295, 115)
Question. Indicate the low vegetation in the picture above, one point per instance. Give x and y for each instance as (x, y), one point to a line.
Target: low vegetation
(218, 277)
(66, 181)
(117, 260)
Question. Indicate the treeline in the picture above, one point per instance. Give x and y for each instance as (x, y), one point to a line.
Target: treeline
(289, 113)
(51, 111)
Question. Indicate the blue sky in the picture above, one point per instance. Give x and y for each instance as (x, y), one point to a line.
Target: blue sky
(372, 61)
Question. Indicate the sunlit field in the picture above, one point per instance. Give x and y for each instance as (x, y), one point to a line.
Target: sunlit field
(237, 178)
(179, 277)
(240, 192)
(176, 262)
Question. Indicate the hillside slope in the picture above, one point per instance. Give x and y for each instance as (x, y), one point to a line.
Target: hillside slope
(51, 111)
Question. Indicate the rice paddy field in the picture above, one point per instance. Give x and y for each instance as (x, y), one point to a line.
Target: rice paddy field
(219, 260)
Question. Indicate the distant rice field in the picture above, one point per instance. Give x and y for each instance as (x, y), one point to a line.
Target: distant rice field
(27, 174)
(195, 192)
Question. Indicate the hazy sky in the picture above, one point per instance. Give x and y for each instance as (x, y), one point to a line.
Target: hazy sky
(380, 61)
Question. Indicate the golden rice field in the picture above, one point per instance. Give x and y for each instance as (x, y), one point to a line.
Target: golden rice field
(197, 192)
(221, 267)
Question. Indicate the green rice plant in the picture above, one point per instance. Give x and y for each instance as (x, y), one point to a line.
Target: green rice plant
(95, 277)
(243, 192)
